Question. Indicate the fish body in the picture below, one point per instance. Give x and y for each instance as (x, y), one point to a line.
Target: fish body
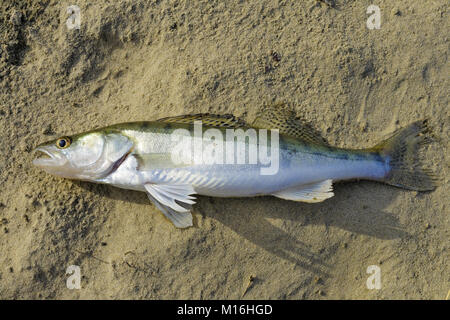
(299, 164)
(173, 159)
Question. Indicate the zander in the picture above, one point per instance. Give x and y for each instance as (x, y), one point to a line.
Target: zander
(140, 156)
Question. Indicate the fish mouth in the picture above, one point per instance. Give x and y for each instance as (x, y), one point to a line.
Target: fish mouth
(47, 158)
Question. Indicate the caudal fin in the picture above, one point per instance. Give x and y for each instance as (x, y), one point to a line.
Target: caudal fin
(402, 151)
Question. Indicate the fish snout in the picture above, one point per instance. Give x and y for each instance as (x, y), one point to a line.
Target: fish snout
(48, 158)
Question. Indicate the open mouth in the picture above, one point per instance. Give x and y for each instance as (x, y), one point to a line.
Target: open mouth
(45, 158)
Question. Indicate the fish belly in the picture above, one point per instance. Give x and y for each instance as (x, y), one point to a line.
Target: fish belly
(247, 180)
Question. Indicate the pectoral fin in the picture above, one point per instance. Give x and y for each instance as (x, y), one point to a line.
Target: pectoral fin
(174, 201)
(315, 192)
(152, 161)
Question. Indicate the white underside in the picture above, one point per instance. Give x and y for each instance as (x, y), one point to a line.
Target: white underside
(235, 180)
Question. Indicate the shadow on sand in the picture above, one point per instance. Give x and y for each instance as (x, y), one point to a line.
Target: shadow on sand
(248, 217)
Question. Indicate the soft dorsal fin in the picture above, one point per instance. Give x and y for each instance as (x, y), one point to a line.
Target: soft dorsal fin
(281, 117)
(215, 120)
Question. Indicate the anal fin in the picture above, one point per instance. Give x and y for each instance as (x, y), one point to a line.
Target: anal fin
(314, 192)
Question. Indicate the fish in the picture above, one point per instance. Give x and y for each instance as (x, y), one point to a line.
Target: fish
(279, 154)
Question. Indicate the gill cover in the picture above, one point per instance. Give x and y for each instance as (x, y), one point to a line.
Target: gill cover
(115, 147)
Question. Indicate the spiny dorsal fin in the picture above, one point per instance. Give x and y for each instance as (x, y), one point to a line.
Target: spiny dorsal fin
(281, 117)
(215, 120)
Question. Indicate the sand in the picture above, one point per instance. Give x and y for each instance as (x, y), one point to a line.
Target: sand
(143, 60)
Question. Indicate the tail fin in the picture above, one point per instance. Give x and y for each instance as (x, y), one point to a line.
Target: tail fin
(403, 150)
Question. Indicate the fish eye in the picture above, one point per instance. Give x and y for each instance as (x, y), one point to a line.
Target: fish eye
(63, 142)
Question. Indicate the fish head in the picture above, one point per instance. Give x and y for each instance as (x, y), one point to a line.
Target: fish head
(89, 156)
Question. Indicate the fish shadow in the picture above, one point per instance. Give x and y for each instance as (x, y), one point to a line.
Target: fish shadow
(354, 208)
(358, 208)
